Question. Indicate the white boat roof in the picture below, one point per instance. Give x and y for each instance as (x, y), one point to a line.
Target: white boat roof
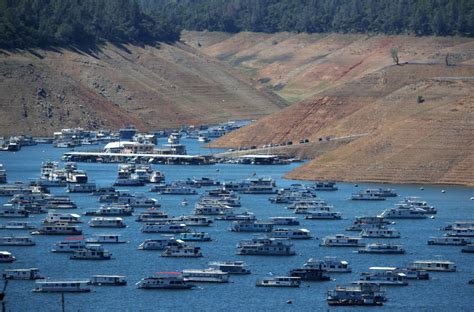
(383, 268)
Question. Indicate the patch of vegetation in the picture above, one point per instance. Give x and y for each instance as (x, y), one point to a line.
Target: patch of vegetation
(47, 23)
(419, 17)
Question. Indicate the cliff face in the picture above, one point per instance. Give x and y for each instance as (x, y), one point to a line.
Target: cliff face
(153, 88)
(411, 123)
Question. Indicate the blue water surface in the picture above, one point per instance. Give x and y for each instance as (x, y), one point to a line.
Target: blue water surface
(444, 292)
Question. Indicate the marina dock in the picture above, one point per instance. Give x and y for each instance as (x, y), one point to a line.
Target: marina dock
(166, 159)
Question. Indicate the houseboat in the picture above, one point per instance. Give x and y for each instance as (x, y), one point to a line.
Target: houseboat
(279, 281)
(164, 280)
(206, 276)
(232, 216)
(6, 257)
(81, 187)
(251, 226)
(212, 210)
(16, 241)
(69, 245)
(104, 190)
(58, 229)
(161, 243)
(17, 225)
(379, 248)
(323, 215)
(105, 239)
(152, 216)
(92, 252)
(195, 237)
(193, 220)
(324, 186)
(449, 240)
(404, 212)
(22, 274)
(266, 247)
(361, 295)
(230, 267)
(383, 276)
(433, 265)
(469, 248)
(461, 232)
(108, 280)
(340, 240)
(12, 211)
(361, 223)
(411, 273)
(290, 233)
(164, 227)
(329, 264)
(372, 232)
(107, 222)
(177, 190)
(288, 221)
(310, 274)
(62, 286)
(419, 203)
(112, 211)
(182, 252)
(369, 194)
(56, 217)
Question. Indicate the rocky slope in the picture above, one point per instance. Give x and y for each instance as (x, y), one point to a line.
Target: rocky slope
(153, 88)
(412, 123)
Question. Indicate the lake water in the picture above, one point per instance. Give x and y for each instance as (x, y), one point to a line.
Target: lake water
(444, 292)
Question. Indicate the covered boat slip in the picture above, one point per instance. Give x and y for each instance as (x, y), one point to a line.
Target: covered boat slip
(166, 159)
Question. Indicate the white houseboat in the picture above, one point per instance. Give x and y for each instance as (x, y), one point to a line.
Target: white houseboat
(340, 240)
(404, 212)
(193, 220)
(279, 281)
(383, 276)
(323, 215)
(112, 211)
(17, 225)
(230, 267)
(369, 194)
(361, 295)
(56, 217)
(182, 252)
(108, 280)
(195, 237)
(6, 257)
(92, 252)
(449, 240)
(266, 247)
(69, 245)
(152, 216)
(58, 229)
(284, 221)
(16, 241)
(373, 232)
(22, 274)
(161, 243)
(329, 264)
(434, 265)
(164, 280)
(291, 234)
(251, 226)
(105, 239)
(206, 276)
(107, 222)
(380, 248)
(164, 227)
(62, 286)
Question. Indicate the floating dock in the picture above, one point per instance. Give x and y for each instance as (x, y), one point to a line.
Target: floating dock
(167, 159)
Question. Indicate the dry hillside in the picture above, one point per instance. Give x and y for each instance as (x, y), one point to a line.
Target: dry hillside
(42, 91)
(347, 85)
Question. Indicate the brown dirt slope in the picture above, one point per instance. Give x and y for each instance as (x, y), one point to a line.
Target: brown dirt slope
(42, 91)
(347, 86)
